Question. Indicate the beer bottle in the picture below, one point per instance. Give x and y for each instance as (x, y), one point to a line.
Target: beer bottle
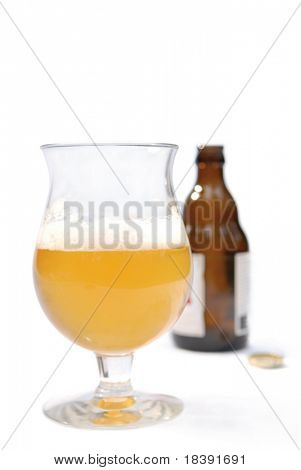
(215, 317)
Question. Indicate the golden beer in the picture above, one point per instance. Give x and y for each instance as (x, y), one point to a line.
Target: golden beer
(115, 301)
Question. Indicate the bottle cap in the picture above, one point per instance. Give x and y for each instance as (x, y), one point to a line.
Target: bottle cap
(210, 153)
(266, 360)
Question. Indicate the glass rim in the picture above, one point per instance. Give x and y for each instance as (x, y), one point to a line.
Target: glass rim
(118, 144)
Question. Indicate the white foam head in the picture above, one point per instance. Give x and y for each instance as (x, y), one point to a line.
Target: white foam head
(59, 232)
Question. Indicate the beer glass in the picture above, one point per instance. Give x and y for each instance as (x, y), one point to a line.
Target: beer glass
(112, 270)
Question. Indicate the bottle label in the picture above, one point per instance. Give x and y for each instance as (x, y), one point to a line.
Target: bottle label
(241, 293)
(192, 320)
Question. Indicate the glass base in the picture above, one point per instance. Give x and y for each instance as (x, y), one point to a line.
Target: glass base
(138, 410)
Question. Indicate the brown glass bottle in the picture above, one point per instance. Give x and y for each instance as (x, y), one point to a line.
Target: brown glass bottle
(215, 318)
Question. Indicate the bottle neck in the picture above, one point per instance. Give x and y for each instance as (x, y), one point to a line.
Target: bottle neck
(210, 174)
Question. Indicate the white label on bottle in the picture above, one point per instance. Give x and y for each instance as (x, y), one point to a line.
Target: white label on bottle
(241, 292)
(192, 320)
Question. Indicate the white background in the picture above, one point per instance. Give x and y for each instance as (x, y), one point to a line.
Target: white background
(160, 70)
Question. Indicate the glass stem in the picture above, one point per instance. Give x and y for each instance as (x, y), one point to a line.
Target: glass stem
(115, 376)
